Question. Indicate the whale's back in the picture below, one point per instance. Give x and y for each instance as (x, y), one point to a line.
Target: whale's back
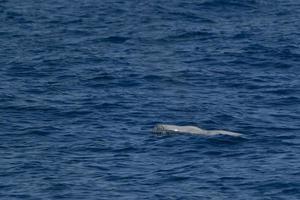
(222, 132)
(166, 128)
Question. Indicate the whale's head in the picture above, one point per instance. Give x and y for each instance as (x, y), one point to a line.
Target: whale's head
(162, 128)
(159, 129)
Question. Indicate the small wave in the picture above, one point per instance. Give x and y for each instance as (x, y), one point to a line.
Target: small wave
(192, 35)
(282, 91)
(194, 17)
(166, 80)
(247, 4)
(103, 77)
(39, 131)
(115, 39)
(286, 101)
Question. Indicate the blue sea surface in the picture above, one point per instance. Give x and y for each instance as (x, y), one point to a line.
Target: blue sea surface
(83, 83)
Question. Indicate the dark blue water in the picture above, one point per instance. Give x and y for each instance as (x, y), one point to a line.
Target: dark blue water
(84, 82)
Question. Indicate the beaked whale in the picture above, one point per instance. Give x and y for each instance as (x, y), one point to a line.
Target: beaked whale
(165, 128)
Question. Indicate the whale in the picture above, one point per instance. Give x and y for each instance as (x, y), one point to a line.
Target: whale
(167, 128)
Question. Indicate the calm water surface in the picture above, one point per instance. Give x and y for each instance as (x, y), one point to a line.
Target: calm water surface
(84, 82)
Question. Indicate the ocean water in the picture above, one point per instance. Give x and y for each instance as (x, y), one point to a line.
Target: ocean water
(84, 82)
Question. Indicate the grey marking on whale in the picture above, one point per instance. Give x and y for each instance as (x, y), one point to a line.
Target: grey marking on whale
(165, 128)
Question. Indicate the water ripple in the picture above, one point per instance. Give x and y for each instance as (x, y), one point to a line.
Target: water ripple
(83, 83)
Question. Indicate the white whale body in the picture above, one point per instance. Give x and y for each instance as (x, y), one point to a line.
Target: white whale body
(165, 128)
